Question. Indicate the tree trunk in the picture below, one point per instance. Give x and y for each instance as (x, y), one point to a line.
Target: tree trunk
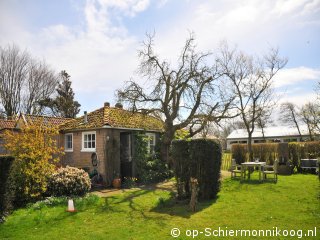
(165, 146)
(263, 137)
(250, 147)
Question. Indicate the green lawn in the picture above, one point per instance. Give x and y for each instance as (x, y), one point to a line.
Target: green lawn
(292, 203)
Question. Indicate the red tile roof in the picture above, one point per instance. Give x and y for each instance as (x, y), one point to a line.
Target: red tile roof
(116, 118)
(7, 124)
(48, 121)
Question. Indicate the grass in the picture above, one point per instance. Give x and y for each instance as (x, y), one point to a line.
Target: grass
(292, 203)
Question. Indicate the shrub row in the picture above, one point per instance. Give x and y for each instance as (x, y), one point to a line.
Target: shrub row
(301, 150)
(200, 159)
(268, 152)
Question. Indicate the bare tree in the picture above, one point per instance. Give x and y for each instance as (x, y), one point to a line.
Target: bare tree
(251, 81)
(310, 115)
(187, 95)
(24, 81)
(289, 114)
(264, 120)
(13, 72)
(40, 84)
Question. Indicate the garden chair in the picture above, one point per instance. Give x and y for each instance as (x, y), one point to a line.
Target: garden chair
(271, 170)
(235, 168)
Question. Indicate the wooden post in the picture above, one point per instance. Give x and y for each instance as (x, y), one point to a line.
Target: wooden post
(194, 194)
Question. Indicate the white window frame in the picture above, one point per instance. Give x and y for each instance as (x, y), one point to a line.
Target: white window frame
(83, 149)
(65, 142)
(153, 136)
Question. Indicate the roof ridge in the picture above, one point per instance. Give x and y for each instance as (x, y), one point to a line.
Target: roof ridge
(34, 115)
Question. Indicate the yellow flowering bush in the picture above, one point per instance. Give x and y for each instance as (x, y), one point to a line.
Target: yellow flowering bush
(69, 181)
(35, 153)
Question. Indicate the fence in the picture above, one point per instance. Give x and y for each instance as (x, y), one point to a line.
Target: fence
(226, 161)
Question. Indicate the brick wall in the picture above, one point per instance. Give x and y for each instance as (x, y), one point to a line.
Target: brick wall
(106, 149)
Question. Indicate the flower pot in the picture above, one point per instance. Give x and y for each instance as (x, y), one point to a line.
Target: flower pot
(116, 183)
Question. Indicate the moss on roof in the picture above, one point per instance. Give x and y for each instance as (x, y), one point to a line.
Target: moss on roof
(114, 117)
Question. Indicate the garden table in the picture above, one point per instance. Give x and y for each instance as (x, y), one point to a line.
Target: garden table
(245, 165)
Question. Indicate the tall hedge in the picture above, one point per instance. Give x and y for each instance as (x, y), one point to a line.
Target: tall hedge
(301, 150)
(239, 152)
(206, 158)
(181, 165)
(5, 165)
(200, 159)
(268, 152)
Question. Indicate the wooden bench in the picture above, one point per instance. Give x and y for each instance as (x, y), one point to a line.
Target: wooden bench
(309, 164)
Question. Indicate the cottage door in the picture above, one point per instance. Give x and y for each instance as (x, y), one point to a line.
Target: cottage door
(126, 154)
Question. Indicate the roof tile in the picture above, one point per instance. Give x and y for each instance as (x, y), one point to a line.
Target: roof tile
(7, 124)
(114, 117)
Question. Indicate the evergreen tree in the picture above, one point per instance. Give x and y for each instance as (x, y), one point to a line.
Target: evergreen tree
(63, 105)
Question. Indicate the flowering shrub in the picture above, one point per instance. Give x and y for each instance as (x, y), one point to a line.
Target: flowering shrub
(69, 181)
(35, 152)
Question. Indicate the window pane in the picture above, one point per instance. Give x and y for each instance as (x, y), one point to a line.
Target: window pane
(93, 137)
(85, 137)
(68, 141)
(85, 145)
(93, 144)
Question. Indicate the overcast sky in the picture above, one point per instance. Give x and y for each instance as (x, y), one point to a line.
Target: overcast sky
(96, 41)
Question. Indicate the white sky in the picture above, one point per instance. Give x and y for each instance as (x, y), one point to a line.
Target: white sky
(96, 41)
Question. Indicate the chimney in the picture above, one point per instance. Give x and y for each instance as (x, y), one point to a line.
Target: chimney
(119, 105)
(106, 104)
(85, 117)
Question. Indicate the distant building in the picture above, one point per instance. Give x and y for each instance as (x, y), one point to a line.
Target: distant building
(271, 134)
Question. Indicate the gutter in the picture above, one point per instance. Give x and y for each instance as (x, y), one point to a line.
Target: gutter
(109, 127)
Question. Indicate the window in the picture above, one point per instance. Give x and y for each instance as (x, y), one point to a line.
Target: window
(151, 142)
(89, 141)
(68, 142)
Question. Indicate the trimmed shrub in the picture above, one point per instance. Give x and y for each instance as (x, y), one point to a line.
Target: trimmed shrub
(199, 159)
(239, 152)
(5, 165)
(69, 181)
(266, 152)
(295, 153)
(181, 164)
(301, 150)
(312, 149)
(206, 158)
